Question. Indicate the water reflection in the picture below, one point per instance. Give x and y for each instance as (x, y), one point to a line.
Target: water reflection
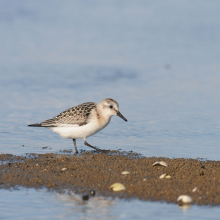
(95, 206)
(42, 204)
(184, 207)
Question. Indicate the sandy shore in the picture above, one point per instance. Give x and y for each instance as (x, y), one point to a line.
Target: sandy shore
(98, 171)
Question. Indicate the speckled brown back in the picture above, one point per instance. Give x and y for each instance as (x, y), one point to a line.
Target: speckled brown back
(75, 115)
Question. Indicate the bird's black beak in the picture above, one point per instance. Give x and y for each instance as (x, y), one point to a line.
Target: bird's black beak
(121, 116)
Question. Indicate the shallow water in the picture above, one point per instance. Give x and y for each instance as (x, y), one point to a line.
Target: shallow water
(160, 61)
(71, 206)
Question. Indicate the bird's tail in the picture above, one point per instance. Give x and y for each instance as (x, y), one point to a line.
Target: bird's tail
(36, 125)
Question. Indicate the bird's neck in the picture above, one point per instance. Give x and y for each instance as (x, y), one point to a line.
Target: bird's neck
(102, 118)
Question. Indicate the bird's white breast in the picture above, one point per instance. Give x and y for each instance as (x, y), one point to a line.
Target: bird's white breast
(79, 132)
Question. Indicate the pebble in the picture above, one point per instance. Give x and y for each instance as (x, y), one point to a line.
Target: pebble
(125, 172)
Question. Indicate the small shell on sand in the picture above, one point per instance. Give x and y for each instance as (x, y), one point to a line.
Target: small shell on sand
(160, 163)
(195, 189)
(125, 172)
(184, 199)
(64, 169)
(117, 187)
(165, 175)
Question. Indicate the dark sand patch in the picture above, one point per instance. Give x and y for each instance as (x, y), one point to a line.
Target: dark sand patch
(98, 171)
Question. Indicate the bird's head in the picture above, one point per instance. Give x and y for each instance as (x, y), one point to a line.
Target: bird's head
(109, 107)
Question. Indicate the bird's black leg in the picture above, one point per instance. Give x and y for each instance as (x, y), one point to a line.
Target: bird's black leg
(103, 151)
(74, 141)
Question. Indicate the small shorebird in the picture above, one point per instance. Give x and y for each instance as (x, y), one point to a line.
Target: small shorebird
(83, 120)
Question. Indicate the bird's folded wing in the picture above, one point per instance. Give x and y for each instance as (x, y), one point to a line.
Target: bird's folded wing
(75, 116)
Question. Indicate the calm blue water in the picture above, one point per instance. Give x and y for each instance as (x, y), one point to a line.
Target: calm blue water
(64, 206)
(159, 60)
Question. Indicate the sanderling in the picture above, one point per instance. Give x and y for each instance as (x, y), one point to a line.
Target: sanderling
(83, 120)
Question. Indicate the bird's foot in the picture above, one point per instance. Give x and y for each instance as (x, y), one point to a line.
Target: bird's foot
(104, 151)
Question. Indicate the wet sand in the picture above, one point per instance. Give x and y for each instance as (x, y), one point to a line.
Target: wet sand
(98, 171)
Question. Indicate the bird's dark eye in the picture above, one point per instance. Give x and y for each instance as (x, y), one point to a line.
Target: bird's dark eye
(111, 106)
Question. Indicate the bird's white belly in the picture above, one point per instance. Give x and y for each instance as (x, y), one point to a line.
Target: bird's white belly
(78, 132)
